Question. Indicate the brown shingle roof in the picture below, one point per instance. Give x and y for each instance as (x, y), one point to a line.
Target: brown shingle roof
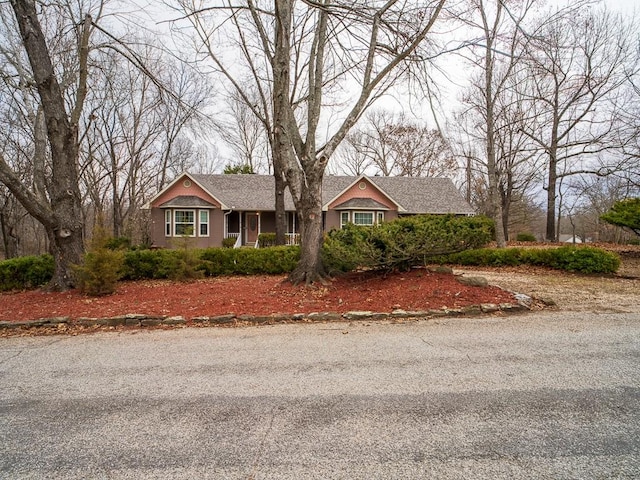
(186, 201)
(361, 204)
(413, 194)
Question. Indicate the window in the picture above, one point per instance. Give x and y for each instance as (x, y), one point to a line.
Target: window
(184, 222)
(344, 219)
(380, 218)
(204, 223)
(363, 218)
(167, 223)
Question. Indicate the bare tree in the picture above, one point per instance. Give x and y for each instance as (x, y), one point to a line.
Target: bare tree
(387, 35)
(59, 208)
(392, 145)
(496, 52)
(247, 137)
(576, 63)
(350, 158)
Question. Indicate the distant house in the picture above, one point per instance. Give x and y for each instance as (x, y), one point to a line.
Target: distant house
(567, 238)
(210, 208)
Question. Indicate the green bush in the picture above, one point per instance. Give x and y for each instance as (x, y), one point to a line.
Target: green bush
(266, 240)
(228, 242)
(157, 264)
(403, 243)
(100, 271)
(569, 258)
(102, 265)
(525, 237)
(118, 243)
(184, 264)
(585, 260)
(25, 272)
(249, 261)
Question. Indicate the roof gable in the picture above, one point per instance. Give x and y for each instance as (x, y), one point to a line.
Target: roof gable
(361, 187)
(185, 185)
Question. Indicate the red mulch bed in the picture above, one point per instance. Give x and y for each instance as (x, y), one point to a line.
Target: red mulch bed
(256, 295)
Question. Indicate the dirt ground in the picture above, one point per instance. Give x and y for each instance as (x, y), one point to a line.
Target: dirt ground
(572, 292)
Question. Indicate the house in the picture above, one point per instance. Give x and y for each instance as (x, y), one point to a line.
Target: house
(568, 238)
(210, 208)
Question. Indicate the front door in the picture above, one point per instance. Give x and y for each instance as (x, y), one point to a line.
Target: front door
(251, 220)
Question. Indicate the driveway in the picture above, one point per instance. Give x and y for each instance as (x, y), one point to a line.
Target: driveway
(546, 395)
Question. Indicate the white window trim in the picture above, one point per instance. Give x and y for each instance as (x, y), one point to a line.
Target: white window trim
(207, 223)
(168, 223)
(342, 224)
(373, 218)
(195, 221)
(378, 217)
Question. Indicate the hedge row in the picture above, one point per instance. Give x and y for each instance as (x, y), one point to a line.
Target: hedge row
(33, 271)
(581, 259)
(157, 264)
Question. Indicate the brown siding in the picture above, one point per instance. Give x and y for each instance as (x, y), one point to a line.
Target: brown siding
(157, 228)
(216, 228)
(391, 215)
(331, 220)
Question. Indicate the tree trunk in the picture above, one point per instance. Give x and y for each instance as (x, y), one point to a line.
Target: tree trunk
(62, 217)
(310, 267)
(495, 203)
(280, 186)
(550, 235)
(9, 237)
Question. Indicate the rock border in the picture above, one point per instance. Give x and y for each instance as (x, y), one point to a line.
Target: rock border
(141, 320)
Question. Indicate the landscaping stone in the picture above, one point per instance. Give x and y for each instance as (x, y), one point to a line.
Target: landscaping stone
(324, 316)
(524, 300)
(357, 315)
(489, 307)
(440, 269)
(473, 281)
(177, 320)
(151, 322)
(230, 318)
(115, 321)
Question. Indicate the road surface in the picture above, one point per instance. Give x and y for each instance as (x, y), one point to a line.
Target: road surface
(550, 396)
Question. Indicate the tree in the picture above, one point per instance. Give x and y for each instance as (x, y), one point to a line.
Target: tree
(60, 212)
(576, 63)
(247, 137)
(498, 46)
(386, 35)
(299, 55)
(625, 213)
(395, 146)
(238, 168)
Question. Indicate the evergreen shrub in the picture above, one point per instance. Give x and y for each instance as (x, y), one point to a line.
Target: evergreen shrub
(267, 240)
(228, 242)
(102, 265)
(570, 258)
(26, 272)
(525, 237)
(403, 243)
(249, 261)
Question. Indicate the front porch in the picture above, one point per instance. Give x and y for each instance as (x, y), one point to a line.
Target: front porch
(246, 227)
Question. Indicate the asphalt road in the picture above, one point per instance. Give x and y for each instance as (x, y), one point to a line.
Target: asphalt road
(551, 395)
